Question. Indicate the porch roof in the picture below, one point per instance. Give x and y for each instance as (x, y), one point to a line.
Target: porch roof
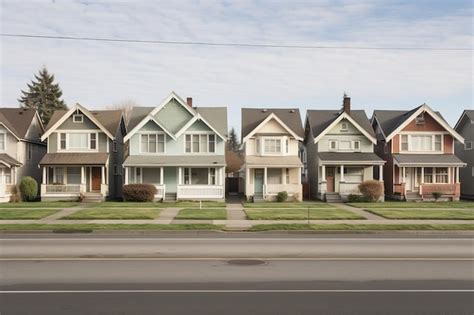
(175, 160)
(8, 160)
(427, 160)
(74, 159)
(273, 161)
(350, 158)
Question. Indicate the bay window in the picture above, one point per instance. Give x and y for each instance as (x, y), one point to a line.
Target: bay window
(272, 145)
(200, 143)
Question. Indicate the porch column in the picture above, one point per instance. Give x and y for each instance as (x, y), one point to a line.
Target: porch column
(381, 172)
(126, 175)
(449, 175)
(403, 175)
(457, 175)
(265, 176)
(161, 176)
(342, 173)
(103, 175)
(422, 175)
(247, 175)
(434, 175)
(44, 174)
(180, 178)
(222, 176)
(299, 175)
(323, 173)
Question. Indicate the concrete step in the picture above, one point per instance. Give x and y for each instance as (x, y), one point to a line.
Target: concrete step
(333, 197)
(170, 197)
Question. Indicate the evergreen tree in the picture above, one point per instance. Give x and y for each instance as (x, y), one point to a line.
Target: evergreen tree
(233, 141)
(43, 95)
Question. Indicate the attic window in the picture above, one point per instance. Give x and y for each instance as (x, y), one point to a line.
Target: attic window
(78, 118)
(344, 127)
(420, 119)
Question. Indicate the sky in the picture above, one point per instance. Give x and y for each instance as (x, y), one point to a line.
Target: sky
(103, 74)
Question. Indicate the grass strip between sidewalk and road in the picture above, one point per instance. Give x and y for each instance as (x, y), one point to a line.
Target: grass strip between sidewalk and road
(114, 214)
(279, 205)
(25, 214)
(178, 204)
(361, 227)
(427, 214)
(65, 228)
(202, 214)
(301, 214)
(415, 205)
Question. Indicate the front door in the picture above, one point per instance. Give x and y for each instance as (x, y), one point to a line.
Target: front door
(330, 174)
(409, 179)
(96, 178)
(258, 189)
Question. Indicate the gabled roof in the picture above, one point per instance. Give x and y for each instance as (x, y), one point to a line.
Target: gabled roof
(107, 120)
(18, 120)
(253, 118)
(8, 161)
(468, 113)
(321, 120)
(392, 121)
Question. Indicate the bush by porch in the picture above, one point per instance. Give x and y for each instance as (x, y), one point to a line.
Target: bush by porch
(301, 214)
(202, 214)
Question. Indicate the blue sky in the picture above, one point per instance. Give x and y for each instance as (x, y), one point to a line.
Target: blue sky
(101, 74)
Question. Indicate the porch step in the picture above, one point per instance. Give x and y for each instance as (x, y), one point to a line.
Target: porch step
(258, 198)
(333, 197)
(413, 196)
(93, 198)
(170, 197)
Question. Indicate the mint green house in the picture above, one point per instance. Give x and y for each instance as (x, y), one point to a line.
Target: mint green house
(178, 148)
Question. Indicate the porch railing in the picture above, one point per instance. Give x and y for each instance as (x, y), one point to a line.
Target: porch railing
(399, 189)
(200, 192)
(62, 189)
(160, 191)
(349, 188)
(444, 189)
(274, 189)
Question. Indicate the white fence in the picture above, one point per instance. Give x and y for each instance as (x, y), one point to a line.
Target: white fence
(200, 192)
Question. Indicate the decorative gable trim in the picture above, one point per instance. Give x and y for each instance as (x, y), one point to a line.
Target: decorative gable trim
(426, 108)
(193, 120)
(10, 131)
(143, 123)
(265, 121)
(352, 121)
(374, 117)
(175, 96)
(458, 123)
(68, 114)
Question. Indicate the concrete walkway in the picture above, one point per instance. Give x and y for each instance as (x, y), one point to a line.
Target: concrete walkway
(236, 217)
(64, 212)
(168, 214)
(359, 211)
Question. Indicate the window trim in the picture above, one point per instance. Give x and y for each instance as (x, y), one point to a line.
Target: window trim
(471, 147)
(353, 146)
(4, 134)
(208, 133)
(344, 127)
(78, 116)
(422, 133)
(140, 148)
(336, 147)
(75, 150)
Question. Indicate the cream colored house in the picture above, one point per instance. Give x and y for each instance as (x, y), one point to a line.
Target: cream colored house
(270, 140)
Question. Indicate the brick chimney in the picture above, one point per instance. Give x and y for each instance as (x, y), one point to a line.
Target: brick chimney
(189, 100)
(346, 105)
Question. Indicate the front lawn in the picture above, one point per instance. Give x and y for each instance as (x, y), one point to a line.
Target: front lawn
(113, 213)
(194, 204)
(179, 204)
(36, 205)
(301, 214)
(415, 205)
(424, 214)
(87, 228)
(202, 214)
(360, 227)
(25, 214)
(292, 205)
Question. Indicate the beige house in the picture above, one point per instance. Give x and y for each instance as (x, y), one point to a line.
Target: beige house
(270, 140)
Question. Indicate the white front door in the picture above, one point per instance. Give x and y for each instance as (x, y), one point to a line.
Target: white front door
(409, 179)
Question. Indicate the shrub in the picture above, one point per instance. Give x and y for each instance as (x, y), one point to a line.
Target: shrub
(356, 198)
(282, 196)
(139, 192)
(28, 188)
(371, 190)
(436, 195)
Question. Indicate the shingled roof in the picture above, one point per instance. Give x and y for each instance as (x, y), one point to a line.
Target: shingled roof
(319, 120)
(18, 120)
(252, 117)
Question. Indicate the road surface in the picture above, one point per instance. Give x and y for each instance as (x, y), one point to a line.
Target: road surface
(239, 274)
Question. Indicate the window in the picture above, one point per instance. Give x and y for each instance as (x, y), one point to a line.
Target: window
(468, 145)
(274, 176)
(59, 175)
(7, 173)
(272, 145)
(62, 144)
(344, 145)
(404, 143)
(114, 146)
(257, 144)
(212, 176)
(138, 175)
(151, 143)
(442, 175)
(188, 143)
(428, 175)
(186, 176)
(73, 175)
(333, 145)
(420, 119)
(203, 143)
(287, 173)
(438, 142)
(357, 145)
(354, 174)
(29, 151)
(195, 143)
(2, 141)
(287, 145)
(78, 118)
(344, 127)
(212, 143)
(78, 141)
(93, 141)
(200, 143)
(421, 143)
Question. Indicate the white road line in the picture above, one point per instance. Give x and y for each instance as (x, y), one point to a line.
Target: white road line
(242, 291)
(235, 239)
(239, 258)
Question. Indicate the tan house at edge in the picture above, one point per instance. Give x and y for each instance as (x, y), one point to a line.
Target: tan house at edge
(418, 146)
(270, 140)
(84, 155)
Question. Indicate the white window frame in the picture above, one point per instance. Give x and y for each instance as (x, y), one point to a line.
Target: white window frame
(75, 116)
(336, 146)
(191, 134)
(468, 147)
(354, 145)
(4, 135)
(433, 141)
(75, 150)
(344, 127)
(157, 133)
(280, 139)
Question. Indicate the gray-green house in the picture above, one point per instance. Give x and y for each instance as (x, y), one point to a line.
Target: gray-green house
(84, 154)
(465, 127)
(178, 148)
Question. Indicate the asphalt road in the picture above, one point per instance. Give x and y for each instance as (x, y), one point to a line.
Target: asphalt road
(331, 274)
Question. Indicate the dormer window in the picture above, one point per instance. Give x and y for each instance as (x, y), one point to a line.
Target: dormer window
(420, 119)
(78, 118)
(344, 127)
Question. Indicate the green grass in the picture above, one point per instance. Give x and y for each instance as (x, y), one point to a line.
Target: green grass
(179, 204)
(300, 214)
(25, 214)
(415, 205)
(64, 228)
(424, 214)
(297, 205)
(37, 205)
(113, 213)
(361, 227)
(202, 214)
(194, 204)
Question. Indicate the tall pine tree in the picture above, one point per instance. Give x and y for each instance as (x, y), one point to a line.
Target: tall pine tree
(233, 140)
(43, 95)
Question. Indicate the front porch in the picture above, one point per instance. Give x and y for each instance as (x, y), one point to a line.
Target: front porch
(69, 182)
(7, 182)
(419, 183)
(180, 183)
(266, 182)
